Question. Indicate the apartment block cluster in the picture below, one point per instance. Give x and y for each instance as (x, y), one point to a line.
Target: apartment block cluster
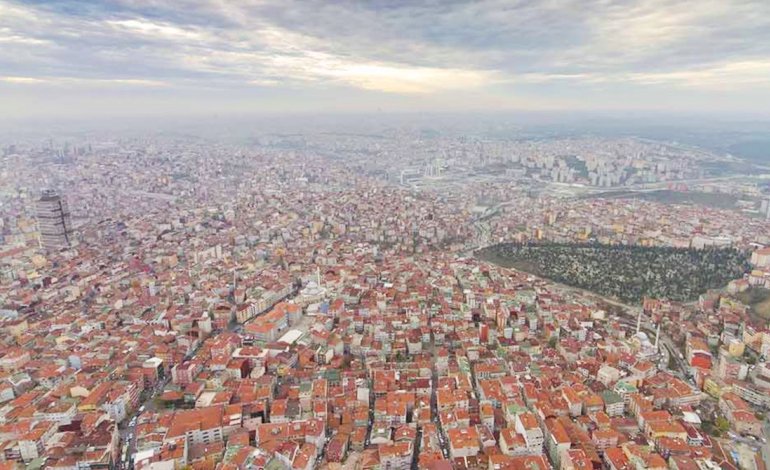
(595, 162)
(626, 221)
(318, 318)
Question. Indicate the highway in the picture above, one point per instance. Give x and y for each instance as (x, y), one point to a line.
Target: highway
(661, 185)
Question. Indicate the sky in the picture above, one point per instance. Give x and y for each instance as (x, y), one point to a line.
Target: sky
(196, 57)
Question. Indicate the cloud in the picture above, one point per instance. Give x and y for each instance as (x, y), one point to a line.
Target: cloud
(158, 31)
(719, 77)
(407, 79)
(493, 47)
(8, 38)
(22, 80)
(76, 81)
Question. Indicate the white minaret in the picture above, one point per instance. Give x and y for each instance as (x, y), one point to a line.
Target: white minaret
(639, 322)
(318, 276)
(657, 336)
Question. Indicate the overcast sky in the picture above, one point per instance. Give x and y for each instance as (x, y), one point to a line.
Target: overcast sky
(129, 57)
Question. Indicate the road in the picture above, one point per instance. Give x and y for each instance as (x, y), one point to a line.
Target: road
(629, 318)
(649, 187)
(434, 403)
(630, 315)
(766, 446)
(665, 341)
(483, 237)
(128, 431)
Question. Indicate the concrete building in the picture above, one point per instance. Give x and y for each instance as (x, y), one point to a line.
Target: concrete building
(53, 220)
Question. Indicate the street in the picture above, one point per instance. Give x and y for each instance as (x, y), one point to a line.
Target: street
(127, 429)
(766, 444)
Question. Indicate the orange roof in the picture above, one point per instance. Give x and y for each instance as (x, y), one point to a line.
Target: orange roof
(528, 420)
(463, 438)
(197, 419)
(557, 431)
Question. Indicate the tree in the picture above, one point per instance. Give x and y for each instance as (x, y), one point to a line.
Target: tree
(722, 424)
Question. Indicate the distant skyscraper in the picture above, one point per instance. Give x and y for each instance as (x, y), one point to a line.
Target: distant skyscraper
(53, 220)
(764, 208)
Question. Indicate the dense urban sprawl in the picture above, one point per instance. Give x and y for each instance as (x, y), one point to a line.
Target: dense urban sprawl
(196, 304)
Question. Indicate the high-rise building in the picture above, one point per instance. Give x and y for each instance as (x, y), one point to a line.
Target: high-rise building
(53, 220)
(764, 208)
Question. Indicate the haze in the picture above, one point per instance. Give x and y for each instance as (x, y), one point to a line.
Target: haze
(143, 57)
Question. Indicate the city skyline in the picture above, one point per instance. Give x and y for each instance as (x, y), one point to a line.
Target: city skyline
(384, 235)
(130, 58)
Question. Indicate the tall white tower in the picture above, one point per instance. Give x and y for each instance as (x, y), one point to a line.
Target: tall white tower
(639, 322)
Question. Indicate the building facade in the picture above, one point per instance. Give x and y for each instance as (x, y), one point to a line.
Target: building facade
(53, 220)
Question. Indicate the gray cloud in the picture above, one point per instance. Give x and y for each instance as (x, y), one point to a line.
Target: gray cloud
(516, 51)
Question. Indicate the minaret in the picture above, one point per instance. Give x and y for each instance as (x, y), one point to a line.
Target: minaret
(657, 336)
(318, 276)
(639, 322)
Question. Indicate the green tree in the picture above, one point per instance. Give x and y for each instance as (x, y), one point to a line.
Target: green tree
(722, 424)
